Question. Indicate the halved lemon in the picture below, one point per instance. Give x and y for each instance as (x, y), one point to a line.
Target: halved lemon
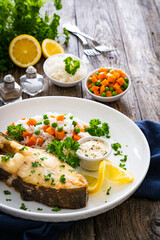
(24, 50)
(108, 170)
(51, 47)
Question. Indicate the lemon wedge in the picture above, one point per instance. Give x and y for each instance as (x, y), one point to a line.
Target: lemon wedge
(24, 50)
(108, 170)
(51, 47)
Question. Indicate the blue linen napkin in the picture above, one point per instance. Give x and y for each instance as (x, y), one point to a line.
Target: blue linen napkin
(21, 229)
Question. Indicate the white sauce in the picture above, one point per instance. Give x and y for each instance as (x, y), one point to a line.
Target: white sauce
(93, 148)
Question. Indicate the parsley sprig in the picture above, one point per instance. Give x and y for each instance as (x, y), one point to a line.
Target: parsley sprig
(65, 150)
(97, 128)
(16, 132)
(71, 66)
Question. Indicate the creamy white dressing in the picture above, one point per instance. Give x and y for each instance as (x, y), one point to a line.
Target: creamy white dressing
(93, 148)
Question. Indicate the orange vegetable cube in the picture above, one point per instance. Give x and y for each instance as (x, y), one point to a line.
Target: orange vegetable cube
(102, 75)
(45, 127)
(97, 76)
(119, 90)
(60, 118)
(102, 70)
(111, 78)
(116, 86)
(52, 116)
(96, 93)
(50, 130)
(105, 82)
(76, 137)
(111, 84)
(112, 71)
(23, 118)
(26, 134)
(60, 135)
(116, 74)
(93, 79)
(122, 74)
(95, 88)
(32, 141)
(120, 81)
(82, 130)
(31, 122)
(90, 85)
(102, 89)
(108, 94)
(40, 141)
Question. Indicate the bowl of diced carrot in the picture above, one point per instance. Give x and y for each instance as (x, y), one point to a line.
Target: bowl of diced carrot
(107, 84)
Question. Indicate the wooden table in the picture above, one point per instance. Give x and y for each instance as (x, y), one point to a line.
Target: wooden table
(133, 28)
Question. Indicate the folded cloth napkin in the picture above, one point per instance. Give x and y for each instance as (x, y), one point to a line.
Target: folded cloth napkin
(21, 229)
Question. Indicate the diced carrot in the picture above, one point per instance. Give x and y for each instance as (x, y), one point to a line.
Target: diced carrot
(45, 127)
(95, 88)
(93, 79)
(85, 126)
(116, 74)
(116, 86)
(26, 134)
(108, 94)
(32, 141)
(111, 78)
(111, 84)
(52, 116)
(60, 135)
(31, 122)
(97, 76)
(40, 141)
(60, 118)
(105, 82)
(12, 124)
(119, 90)
(50, 130)
(102, 89)
(96, 93)
(6, 133)
(102, 70)
(23, 118)
(102, 75)
(120, 81)
(122, 74)
(82, 130)
(76, 137)
(112, 71)
(90, 85)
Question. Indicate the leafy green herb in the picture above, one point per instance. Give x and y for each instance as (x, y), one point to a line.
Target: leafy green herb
(16, 132)
(23, 16)
(47, 177)
(115, 146)
(124, 159)
(52, 181)
(71, 170)
(108, 191)
(122, 166)
(65, 150)
(62, 179)
(33, 171)
(71, 66)
(42, 158)
(23, 207)
(8, 138)
(8, 199)
(7, 157)
(36, 164)
(56, 209)
(62, 165)
(39, 209)
(96, 130)
(6, 192)
(23, 148)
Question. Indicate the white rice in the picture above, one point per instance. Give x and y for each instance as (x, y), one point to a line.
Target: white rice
(55, 68)
(68, 127)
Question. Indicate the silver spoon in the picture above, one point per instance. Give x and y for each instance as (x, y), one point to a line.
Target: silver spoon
(74, 29)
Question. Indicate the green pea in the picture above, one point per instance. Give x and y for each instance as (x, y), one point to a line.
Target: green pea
(111, 89)
(74, 123)
(77, 130)
(97, 73)
(98, 83)
(90, 90)
(60, 128)
(125, 85)
(45, 116)
(71, 117)
(93, 84)
(37, 132)
(107, 89)
(89, 80)
(122, 88)
(54, 125)
(114, 93)
(109, 69)
(46, 121)
(126, 80)
(103, 94)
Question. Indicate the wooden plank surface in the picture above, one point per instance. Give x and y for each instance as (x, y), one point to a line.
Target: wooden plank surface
(133, 28)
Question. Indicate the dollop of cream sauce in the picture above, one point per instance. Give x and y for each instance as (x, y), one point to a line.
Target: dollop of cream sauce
(93, 148)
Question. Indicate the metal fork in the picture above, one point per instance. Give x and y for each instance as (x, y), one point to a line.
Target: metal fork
(87, 49)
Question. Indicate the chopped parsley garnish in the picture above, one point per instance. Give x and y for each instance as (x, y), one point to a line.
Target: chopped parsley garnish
(16, 132)
(71, 66)
(38, 123)
(23, 207)
(62, 165)
(42, 158)
(65, 150)
(62, 179)
(33, 171)
(98, 129)
(47, 177)
(37, 153)
(74, 123)
(115, 146)
(71, 170)
(56, 209)
(122, 166)
(52, 182)
(36, 164)
(23, 148)
(124, 159)
(8, 199)
(6, 192)
(7, 157)
(8, 138)
(108, 191)
(39, 209)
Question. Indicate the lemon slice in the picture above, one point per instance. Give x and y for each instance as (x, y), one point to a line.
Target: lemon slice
(110, 171)
(51, 47)
(24, 51)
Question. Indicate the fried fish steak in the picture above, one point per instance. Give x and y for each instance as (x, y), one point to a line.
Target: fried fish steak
(40, 176)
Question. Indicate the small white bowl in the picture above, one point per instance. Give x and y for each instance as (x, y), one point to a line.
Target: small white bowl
(59, 83)
(106, 99)
(92, 164)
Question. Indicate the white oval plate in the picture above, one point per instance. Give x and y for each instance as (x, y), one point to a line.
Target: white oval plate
(122, 130)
